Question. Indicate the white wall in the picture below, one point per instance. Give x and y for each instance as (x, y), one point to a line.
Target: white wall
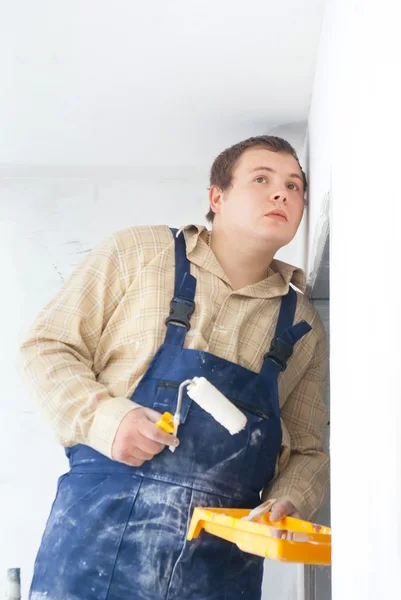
(365, 306)
(355, 129)
(319, 141)
(49, 219)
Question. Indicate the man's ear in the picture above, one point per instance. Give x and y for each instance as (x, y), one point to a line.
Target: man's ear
(215, 198)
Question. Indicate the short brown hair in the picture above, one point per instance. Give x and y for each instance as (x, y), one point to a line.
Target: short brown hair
(221, 173)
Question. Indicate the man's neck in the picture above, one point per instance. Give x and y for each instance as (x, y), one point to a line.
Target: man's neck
(244, 263)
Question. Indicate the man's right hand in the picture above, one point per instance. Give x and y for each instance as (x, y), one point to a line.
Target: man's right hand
(138, 439)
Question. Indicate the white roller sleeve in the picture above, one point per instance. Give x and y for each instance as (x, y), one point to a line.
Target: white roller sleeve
(215, 403)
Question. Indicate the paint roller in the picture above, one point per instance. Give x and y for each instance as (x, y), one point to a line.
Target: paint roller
(208, 397)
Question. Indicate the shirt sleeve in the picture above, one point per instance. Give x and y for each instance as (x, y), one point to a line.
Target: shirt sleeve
(57, 356)
(304, 478)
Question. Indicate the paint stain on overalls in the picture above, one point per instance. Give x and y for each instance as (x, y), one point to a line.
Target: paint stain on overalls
(119, 533)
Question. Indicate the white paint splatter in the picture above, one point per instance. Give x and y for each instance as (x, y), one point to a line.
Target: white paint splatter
(219, 329)
(255, 437)
(193, 332)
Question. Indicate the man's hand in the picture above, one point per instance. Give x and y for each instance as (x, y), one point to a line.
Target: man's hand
(281, 509)
(138, 439)
(284, 508)
(278, 510)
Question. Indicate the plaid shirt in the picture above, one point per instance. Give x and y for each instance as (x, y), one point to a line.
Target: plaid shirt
(90, 346)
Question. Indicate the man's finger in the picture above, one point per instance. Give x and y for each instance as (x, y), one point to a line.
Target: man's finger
(136, 457)
(154, 433)
(283, 534)
(140, 454)
(144, 443)
(152, 415)
(280, 510)
(131, 461)
(283, 508)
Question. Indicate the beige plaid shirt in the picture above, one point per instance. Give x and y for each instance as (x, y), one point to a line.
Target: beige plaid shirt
(90, 346)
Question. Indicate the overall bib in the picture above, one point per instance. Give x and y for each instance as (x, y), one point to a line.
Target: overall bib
(117, 532)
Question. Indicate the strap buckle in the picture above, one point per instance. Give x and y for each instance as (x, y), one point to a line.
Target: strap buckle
(280, 352)
(180, 312)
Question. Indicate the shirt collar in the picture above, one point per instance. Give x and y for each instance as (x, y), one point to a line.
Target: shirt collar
(277, 282)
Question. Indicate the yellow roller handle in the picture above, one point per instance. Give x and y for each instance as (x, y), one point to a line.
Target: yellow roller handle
(166, 423)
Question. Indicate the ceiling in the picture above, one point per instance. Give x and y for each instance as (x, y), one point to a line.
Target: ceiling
(96, 82)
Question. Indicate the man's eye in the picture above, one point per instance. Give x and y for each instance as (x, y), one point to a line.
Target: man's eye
(292, 186)
(260, 179)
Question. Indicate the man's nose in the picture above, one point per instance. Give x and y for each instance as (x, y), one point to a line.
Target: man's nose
(279, 197)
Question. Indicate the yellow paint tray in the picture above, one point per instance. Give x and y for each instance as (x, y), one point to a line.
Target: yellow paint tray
(311, 544)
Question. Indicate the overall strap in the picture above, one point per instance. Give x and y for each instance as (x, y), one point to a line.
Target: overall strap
(287, 334)
(182, 305)
(287, 311)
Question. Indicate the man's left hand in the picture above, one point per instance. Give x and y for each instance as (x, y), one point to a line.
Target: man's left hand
(284, 508)
(278, 510)
(281, 509)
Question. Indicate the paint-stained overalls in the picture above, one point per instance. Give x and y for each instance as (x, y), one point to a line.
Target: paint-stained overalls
(119, 533)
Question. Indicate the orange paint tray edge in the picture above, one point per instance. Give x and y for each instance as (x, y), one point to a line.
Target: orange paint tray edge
(311, 546)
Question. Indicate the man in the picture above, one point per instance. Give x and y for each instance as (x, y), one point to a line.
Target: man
(146, 310)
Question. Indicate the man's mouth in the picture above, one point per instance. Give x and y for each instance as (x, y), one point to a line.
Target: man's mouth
(278, 215)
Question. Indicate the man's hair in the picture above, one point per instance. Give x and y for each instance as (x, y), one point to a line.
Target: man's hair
(221, 173)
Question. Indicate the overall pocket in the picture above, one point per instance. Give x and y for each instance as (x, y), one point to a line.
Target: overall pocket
(82, 539)
(166, 398)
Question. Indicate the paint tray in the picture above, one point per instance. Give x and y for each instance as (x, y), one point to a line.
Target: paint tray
(311, 544)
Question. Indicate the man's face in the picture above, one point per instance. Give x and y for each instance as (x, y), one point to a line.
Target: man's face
(266, 199)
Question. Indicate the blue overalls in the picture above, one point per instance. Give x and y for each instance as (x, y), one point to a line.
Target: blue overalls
(117, 532)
